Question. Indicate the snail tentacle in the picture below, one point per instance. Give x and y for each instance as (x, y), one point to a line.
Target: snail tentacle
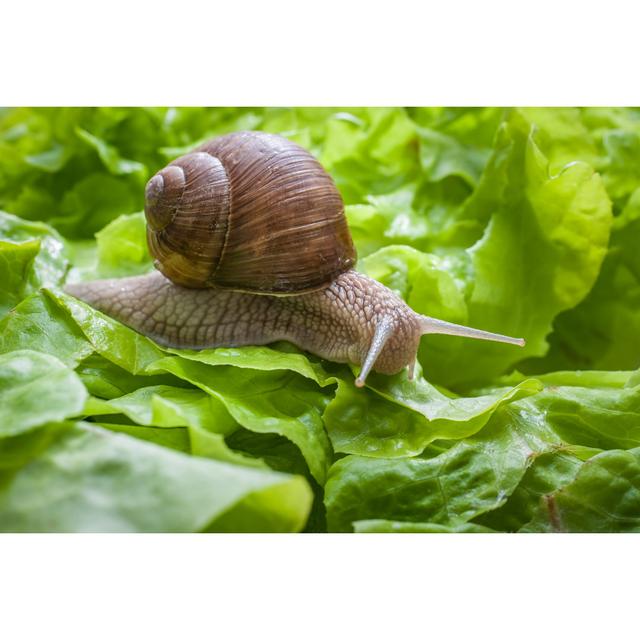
(383, 332)
(433, 325)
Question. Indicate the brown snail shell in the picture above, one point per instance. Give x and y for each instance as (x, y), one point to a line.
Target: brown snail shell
(248, 211)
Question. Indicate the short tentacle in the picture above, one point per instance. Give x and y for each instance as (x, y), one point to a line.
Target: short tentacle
(383, 332)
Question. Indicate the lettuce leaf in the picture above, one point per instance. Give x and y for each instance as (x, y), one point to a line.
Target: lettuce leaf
(39, 324)
(603, 332)
(540, 253)
(31, 256)
(198, 421)
(35, 389)
(548, 473)
(275, 402)
(603, 497)
(399, 418)
(16, 261)
(467, 479)
(91, 479)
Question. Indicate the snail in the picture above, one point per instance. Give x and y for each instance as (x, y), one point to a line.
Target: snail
(251, 246)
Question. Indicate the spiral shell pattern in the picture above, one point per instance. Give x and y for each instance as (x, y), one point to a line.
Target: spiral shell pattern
(248, 211)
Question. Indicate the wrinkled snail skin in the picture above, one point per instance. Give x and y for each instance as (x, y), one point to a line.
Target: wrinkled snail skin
(337, 323)
(252, 246)
(355, 319)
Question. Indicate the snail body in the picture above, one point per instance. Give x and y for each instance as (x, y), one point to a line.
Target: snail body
(252, 246)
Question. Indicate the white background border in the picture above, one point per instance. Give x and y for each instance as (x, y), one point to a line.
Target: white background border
(318, 586)
(328, 52)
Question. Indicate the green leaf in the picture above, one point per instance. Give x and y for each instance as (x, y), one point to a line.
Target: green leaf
(562, 136)
(16, 229)
(595, 409)
(369, 151)
(16, 261)
(442, 156)
(93, 202)
(386, 220)
(109, 155)
(104, 379)
(622, 175)
(259, 358)
(39, 324)
(280, 402)
(604, 497)
(272, 449)
(471, 477)
(603, 332)
(399, 418)
(17, 451)
(164, 406)
(549, 472)
(213, 445)
(540, 254)
(588, 379)
(122, 247)
(35, 389)
(31, 256)
(175, 438)
(600, 418)
(120, 250)
(205, 420)
(281, 455)
(51, 160)
(91, 479)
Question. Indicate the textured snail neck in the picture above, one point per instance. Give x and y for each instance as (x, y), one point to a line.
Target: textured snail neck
(345, 316)
(337, 323)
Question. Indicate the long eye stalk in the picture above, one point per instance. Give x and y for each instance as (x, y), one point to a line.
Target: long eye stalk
(433, 325)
